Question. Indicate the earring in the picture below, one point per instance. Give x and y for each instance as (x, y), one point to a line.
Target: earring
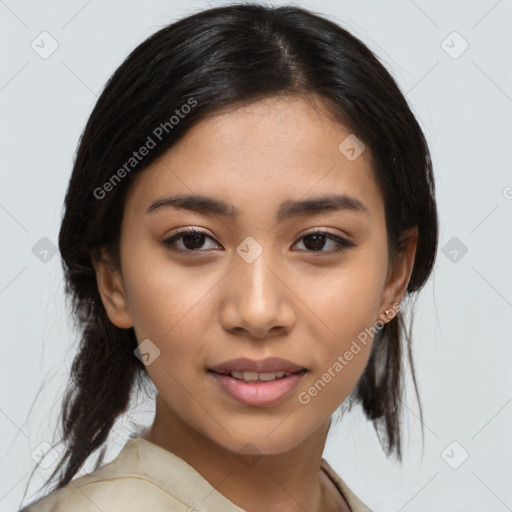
(386, 313)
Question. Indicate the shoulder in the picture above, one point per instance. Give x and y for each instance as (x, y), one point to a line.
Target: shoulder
(128, 493)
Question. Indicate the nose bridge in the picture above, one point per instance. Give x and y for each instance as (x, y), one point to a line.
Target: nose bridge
(256, 278)
(256, 299)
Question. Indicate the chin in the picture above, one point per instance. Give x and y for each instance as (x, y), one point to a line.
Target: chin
(265, 441)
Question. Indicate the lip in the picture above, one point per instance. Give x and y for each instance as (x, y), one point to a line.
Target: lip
(258, 393)
(268, 365)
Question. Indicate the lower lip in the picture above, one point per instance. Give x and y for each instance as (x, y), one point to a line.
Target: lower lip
(258, 393)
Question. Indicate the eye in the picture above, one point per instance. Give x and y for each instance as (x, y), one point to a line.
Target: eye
(315, 241)
(191, 240)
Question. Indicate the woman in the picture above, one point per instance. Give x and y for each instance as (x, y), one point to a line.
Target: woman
(251, 201)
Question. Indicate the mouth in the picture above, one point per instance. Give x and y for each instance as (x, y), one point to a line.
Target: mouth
(244, 368)
(247, 376)
(257, 389)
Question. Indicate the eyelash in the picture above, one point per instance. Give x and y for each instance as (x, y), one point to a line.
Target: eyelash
(343, 244)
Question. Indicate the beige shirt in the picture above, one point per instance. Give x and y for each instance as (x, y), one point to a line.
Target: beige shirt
(145, 477)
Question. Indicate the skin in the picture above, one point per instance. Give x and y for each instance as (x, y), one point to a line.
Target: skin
(203, 309)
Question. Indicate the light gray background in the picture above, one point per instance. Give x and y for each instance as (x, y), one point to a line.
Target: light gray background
(462, 334)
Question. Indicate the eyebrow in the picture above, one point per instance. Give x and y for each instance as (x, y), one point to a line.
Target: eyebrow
(287, 209)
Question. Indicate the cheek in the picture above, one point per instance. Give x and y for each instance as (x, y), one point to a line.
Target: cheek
(343, 309)
(169, 304)
(344, 300)
(158, 292)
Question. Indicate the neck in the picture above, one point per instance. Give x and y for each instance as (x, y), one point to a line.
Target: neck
(291, 481)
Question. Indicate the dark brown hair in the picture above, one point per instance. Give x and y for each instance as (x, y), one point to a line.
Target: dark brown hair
(214, 59)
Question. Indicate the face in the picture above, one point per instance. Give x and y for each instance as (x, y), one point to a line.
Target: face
(262, 277)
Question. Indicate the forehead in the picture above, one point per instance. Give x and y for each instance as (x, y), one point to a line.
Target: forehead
(260, 155)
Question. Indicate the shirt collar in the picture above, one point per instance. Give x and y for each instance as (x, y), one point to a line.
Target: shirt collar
(182, 481)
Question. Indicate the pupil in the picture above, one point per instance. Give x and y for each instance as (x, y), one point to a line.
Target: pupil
(320, 241)
(198, 240)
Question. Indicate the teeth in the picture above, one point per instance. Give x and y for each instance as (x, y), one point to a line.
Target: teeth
(258, 376)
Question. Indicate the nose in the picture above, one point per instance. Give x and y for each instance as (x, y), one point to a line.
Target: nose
(257, 300)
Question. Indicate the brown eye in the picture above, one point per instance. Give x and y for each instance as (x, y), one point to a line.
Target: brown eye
(315, 241)
(191, 240)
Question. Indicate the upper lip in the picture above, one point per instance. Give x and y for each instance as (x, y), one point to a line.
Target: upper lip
(268, 365)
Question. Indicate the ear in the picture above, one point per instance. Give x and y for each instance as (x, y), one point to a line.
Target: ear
(399, 274)
(111, 289)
